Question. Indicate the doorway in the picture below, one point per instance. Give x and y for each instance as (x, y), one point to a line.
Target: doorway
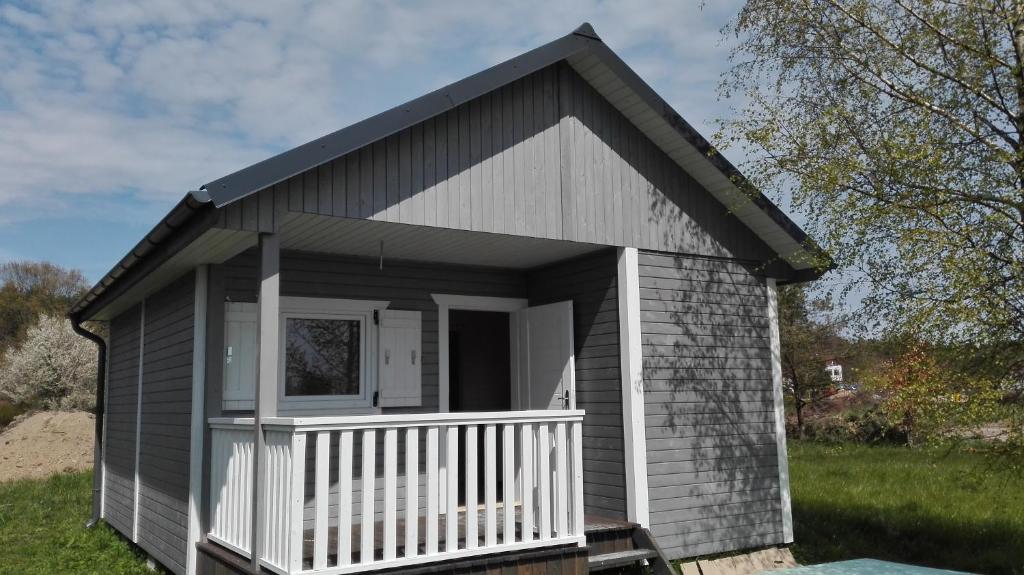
(480, 376)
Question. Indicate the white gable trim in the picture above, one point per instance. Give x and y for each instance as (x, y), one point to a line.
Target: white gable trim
(780, 411)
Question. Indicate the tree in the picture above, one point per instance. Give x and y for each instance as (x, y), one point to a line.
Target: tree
(54, 368)
(809, 339)
(898, 128)
(30, 289)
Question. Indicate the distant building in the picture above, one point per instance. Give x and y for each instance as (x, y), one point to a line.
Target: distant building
(835, 371)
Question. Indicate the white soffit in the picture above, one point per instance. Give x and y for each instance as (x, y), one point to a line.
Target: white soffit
(215, 245)
(651, 123)
(326, 234)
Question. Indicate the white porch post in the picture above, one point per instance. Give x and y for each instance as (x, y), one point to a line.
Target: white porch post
(780, 411)
(265, 398)
(195, 469)
(632, 373)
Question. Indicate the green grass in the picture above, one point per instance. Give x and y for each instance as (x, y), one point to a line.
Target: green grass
(954, 510)
(42, 530)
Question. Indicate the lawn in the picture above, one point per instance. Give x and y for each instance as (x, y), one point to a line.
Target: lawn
(954, 510)
(41, 530)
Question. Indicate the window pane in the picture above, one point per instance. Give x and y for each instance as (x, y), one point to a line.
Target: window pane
(322, 357)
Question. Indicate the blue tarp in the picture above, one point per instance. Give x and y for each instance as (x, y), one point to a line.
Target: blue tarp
(865, 567)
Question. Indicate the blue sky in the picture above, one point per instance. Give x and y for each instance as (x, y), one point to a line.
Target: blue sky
(111, 111)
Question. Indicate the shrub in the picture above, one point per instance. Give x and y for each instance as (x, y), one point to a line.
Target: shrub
(54, 368)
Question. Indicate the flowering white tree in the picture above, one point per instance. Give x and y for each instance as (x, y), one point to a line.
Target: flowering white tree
(54, 368)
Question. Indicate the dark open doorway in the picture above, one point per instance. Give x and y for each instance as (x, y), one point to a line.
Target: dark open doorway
(480, 375)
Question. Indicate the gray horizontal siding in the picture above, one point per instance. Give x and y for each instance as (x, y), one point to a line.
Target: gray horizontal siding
(407, 285)
(166, 418)
(120, 420)
(590, 282)
(712, 466)
(545, 156)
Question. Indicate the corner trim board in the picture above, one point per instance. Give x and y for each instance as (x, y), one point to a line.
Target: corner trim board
(780, 411)
(138, 419)
(632, 385)
(195, 464)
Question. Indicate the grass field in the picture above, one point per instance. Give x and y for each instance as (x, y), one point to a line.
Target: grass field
(929, 507)
(41, 531)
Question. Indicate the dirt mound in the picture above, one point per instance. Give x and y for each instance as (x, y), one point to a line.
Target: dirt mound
(45, 443)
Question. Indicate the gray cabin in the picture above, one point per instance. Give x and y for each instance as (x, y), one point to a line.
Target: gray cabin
(527, 320)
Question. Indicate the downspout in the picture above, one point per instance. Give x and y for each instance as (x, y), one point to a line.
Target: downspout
(101, 376)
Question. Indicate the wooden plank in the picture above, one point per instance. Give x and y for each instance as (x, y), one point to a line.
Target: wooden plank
(543, 460)
(416, 192)
(452, 514)
(366, 175)
(296, 501)
(339, 199)
(526, 479)
(472, 463)
(405, 209)
(465, 219)
(519, 159)
(476, 190)
(429, 173)
(454, 194)
(508, 483)
(433, 491)
(552, 175)
(325, 189)
(392, 169)
(566, 127)
(412, 479)
(490, 486)
(322, 471)
(368, 478)
(344, 539)
(380, 180)
(390, 492)
(508, 184)
(486, 189)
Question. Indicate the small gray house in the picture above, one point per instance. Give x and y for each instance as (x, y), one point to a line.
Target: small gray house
(526, 321)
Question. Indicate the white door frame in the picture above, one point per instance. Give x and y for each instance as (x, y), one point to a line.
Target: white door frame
(448, 302)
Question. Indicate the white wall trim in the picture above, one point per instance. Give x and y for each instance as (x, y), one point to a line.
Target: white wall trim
(780, 410)
(446, 302)
(106, 418)
(195, 462)
(632, 384)
(138, 419)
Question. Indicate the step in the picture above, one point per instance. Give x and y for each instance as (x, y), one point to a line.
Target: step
(619, 559)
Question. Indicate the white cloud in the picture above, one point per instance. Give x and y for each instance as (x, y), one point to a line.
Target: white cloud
(154, 98)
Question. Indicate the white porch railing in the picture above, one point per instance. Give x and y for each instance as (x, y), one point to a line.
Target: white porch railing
(351, 494)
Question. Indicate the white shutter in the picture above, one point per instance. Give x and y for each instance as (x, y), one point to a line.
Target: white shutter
(547, 371)
(239, 355)
(400, 359)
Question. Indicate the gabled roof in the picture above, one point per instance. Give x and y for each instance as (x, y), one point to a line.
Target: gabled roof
(594, 61)
(607, 73)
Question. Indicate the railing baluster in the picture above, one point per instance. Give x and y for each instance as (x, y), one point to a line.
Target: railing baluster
(296, 501)
(577, 480)
(433, 490)
(508, 482)
(412, 488)
(544, 479)
(562, 482)
(390, 492)
(323, 470)
(451, 538)
(369, 492)
(472, 507)
(345, 498)
(526, 480)
(490, 486)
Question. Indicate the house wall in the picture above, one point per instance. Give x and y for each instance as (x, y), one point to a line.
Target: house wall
(120, 419)
(545, 156)
(161, 419)
(590, 282)
(711, 446)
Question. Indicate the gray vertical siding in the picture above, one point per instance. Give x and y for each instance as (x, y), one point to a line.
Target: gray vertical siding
(122, 405)
(545, 156)
(165, 429)
(590, 282)
(711, 451)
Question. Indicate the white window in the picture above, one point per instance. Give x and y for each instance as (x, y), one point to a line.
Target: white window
(328, 347)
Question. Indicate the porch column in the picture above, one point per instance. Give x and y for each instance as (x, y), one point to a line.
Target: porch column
(265, 398)
(634, 432)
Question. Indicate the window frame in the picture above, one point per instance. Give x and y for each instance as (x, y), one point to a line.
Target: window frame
(328, 309)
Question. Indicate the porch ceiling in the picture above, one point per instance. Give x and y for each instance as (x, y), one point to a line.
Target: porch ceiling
(315, 233)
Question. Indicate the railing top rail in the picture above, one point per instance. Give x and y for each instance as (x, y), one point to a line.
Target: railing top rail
(321, 423)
